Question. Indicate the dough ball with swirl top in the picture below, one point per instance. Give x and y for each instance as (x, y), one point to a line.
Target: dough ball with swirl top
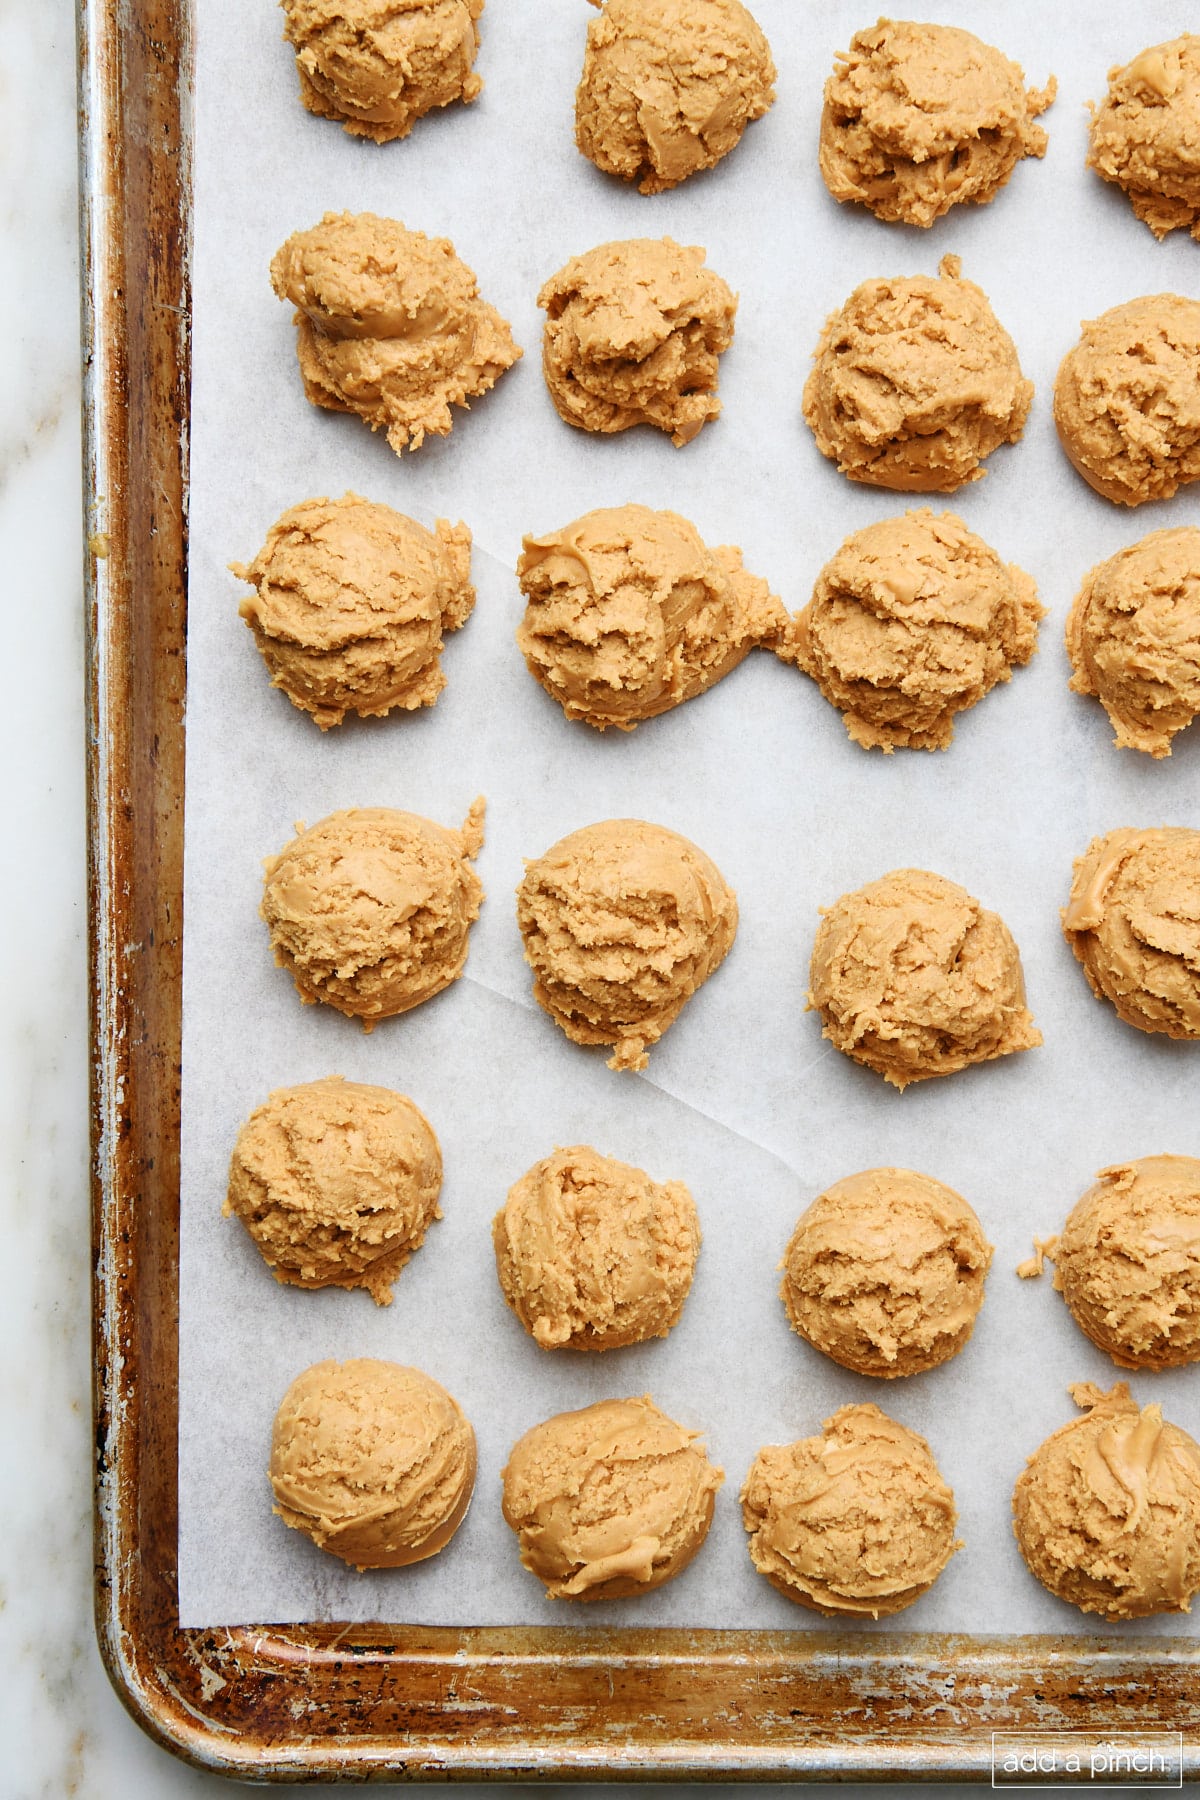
(1107, 1510)
(915, 382)
(622, 922)
(669, 86)
(1133, 921)
(610, 1501)
(592, 1253)
(856, 1521)
(629, 613)
(378, 66)
(369, 910)
(389, 325)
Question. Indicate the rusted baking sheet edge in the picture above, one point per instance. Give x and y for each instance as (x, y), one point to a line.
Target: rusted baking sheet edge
(383, 1701)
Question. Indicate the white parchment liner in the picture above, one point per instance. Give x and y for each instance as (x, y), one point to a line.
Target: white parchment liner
(744, 1100)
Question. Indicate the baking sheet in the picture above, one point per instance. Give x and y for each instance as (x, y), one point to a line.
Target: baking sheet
(743, 1099)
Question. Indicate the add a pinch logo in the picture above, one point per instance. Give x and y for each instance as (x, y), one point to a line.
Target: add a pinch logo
(1028, 1759)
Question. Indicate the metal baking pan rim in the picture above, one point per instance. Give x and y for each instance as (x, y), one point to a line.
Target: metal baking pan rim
(275, 1703)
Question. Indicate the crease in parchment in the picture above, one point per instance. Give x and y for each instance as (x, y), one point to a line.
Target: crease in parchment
(531, 1008)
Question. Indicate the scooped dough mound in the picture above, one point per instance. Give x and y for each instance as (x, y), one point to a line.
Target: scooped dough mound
(629, 613)
(1127, 399)
(622, 922)
(351, 600)
(885, 1272)
(1133, 921)
(913, 978)
(915, 381)
(380, 65)
(389, 324)
(373, 1461)
(1133, 636)
(668, 87)
(591, 1253)
(1128, 1262)
(920, 117)
(856, 1521)
(1107, 1510)
(1146, 135)
(912, 621)
(633, 333)
(610, 1501)
(370, 909)
(337, 1183)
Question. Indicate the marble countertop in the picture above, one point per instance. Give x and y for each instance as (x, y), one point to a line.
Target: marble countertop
(62, 1729)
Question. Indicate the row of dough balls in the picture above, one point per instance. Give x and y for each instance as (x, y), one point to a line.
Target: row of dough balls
(629, 613)
(370, 910)
(914, 380)
(917, 117)
(376, 1463)
(337, 1183)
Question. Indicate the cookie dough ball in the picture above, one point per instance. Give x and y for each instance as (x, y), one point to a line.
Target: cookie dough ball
(351, 600)
(914, 381)
(1107, 1510)
(380, 65)
(629, 613)
(668, 87)
(913, 978)
(856, 1522)
(622, 922)
(610, 1501)
(633, 333)
(1133, 921)
(920, 117)
(1146, 135)
(1128, 1262)
(370, 909)
(389, 324)
(337, 1183)
(914, 620)
(1133, 636)
(1127, 399)
(374, 1462)
(592, 1254)
(885, 1272)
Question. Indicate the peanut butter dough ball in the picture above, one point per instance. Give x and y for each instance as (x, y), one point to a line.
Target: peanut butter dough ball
(1146, 135)
(1133, 636)
(1133, 921)
(351, 600)
(914, 382)
(668, 87)
(1127, 399)
(374, 1462)
(337, 1183)
(592, 1254)
(633, 333)
(913, 978)
(918, 118)
(629, 613)
(370, 909)
(857, 1521)
(913, 621)
(1128, 1262)
(885, 1272)
(379, 65)
(1107, 1510)
(610, 1501)
(622, 922)
(389, 325)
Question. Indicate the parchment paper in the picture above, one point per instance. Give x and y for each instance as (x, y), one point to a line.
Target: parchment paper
(743, 1100)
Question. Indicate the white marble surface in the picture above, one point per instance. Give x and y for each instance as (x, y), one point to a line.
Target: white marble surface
(62, 1731)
